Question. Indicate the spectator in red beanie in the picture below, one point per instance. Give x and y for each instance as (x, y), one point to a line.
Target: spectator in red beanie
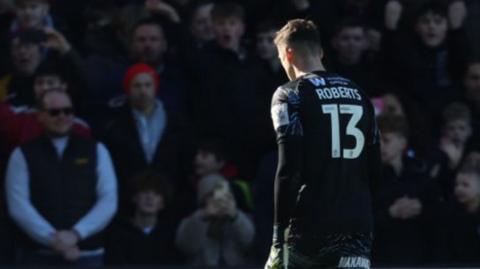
(145, 135)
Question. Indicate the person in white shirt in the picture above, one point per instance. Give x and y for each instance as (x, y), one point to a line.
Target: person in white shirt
(61, 190)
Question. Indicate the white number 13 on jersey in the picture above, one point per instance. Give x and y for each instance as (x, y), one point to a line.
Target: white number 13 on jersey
(356, 112)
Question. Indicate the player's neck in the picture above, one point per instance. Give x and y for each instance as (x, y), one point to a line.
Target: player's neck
(308, 67)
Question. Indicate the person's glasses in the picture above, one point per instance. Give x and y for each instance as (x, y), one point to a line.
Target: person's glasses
(55, 112)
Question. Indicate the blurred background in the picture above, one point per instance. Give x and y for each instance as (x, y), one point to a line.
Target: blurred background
(170, 157)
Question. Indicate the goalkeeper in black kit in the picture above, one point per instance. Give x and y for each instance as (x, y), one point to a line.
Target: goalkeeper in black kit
(329, 156)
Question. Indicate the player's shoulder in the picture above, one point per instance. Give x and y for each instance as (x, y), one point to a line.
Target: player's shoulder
(289, 86)
(334, 79)
(319, 79)
(286, 91)
(293, 86)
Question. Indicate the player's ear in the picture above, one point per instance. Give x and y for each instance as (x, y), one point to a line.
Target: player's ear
(289, 53)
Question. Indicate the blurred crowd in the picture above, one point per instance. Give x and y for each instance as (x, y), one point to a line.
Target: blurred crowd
(139, 131)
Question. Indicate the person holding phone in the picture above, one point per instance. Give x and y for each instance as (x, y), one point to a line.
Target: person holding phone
(217, 233)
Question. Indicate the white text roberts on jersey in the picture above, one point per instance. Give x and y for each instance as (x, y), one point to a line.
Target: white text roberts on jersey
(338, 92)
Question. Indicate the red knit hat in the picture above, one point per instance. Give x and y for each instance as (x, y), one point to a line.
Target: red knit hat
(137, 69)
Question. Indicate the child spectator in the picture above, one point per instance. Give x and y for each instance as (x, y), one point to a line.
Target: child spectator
(464, 218)
(394, 102)
(211, 159)
(146, 238)
(453, 146)
(217, 233)
(401, 199)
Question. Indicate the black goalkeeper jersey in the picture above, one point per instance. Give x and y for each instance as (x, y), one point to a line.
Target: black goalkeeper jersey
(328, 156)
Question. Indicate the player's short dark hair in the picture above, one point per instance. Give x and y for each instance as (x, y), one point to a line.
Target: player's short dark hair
(457, 111)
(301, 35)
(150, 180)
(435, 7)
(226, 10)
(391, 123)
(350, 22)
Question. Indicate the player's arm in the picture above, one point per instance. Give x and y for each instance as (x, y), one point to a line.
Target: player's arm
(289, 131)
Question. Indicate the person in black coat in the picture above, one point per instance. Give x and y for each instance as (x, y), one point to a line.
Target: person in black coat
(460, 241)
(402, 200)
(233, 91)
(426, 60)
(145, 134)
(351, 57)
(147, 237)
(453, 146)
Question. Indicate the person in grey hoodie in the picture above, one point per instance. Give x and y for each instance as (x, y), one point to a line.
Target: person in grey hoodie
(217, 233)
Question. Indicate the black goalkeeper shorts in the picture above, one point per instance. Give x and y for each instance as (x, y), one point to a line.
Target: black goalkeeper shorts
(330, 251)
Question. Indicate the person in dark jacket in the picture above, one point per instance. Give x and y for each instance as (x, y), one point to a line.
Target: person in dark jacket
(464, 217)
(147, 237)
(233, 91)
(425, 62)
(453, 146)
(145, 134)
(401, 200)
(351, 55)
(148, 44)
(267, 52)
